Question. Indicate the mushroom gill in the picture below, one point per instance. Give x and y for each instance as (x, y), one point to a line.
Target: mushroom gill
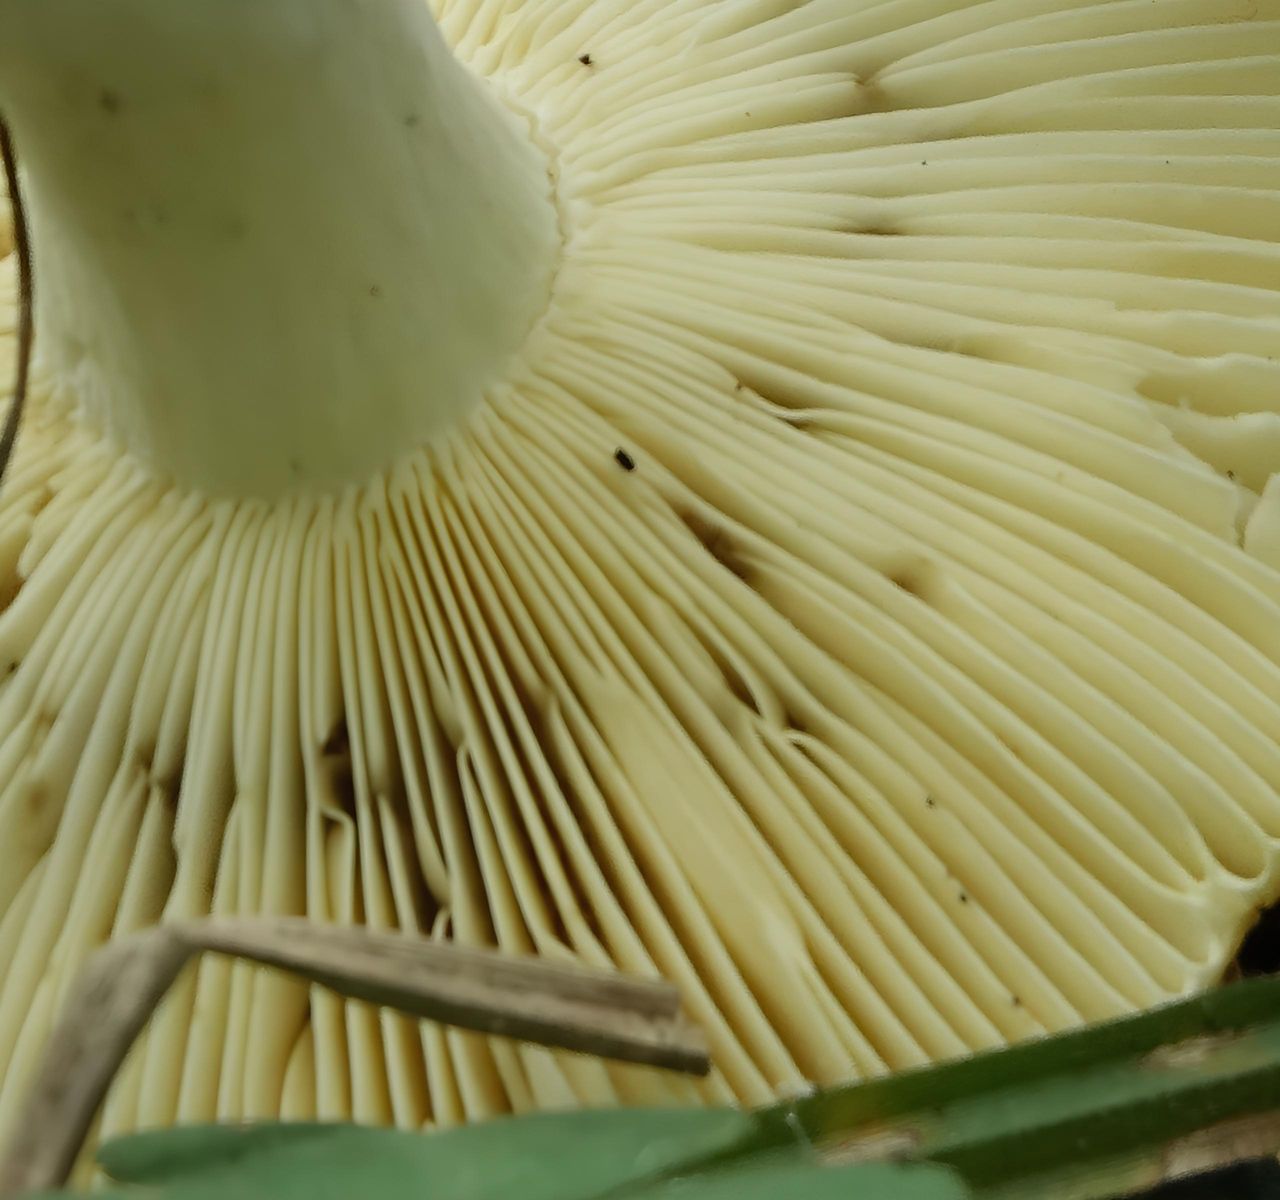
(858, 600)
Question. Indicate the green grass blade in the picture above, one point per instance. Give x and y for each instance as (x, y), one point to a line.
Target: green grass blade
(576, 1156)
(1067, 1107)
(873, 1181)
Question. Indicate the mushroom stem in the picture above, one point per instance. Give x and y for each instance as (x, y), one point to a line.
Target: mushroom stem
(277, 241)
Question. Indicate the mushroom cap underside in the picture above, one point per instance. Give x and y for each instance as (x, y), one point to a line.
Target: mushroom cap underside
(860, 605)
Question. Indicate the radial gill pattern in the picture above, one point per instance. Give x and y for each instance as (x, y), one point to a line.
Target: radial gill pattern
(908, 684)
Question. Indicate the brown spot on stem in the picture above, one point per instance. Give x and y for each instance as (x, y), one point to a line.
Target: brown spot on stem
(885, 1142)
(1188, 1055)
(1225, 1144)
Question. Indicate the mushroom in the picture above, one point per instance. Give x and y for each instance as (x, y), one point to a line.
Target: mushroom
(779, 495)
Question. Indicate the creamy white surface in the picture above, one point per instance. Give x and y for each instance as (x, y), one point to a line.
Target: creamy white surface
(919, 690)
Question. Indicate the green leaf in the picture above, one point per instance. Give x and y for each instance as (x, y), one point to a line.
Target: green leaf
(871, 1181)
(577, 1156)
(98, 1195)
(595, 1156)
(166, 1154)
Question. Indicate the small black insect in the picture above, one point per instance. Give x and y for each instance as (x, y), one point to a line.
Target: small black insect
(585, 59)
(624, 460)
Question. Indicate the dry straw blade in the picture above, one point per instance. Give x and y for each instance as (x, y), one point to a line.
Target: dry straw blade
(557, 1005)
